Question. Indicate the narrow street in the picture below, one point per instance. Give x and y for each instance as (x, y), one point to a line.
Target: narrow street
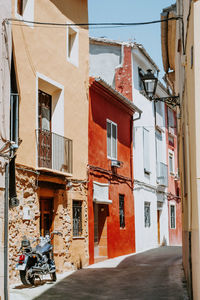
(152, 275)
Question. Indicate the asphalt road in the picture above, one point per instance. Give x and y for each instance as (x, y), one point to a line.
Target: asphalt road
(153, 275)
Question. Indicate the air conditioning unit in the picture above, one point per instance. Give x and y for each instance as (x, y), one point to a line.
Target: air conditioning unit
(116, 163)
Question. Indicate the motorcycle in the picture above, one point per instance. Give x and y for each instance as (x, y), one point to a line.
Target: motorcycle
(34, 262)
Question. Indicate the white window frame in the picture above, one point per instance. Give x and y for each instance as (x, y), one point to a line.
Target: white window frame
(28, 12)
(73, 55)
(174, 205)
(111, 150)
(171, 154)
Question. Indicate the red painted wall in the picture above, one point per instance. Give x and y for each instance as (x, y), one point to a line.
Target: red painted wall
(123, 75)
(103, 106)
(175, 235)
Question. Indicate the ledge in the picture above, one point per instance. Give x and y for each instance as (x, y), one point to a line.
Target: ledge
(78, 237)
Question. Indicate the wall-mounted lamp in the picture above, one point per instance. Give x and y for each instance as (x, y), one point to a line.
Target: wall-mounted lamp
(150, 83)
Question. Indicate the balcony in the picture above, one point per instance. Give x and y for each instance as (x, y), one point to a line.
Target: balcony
(162, 174)
(54, 151)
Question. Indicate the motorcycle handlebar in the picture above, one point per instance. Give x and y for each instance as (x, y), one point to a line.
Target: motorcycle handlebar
(55, 232)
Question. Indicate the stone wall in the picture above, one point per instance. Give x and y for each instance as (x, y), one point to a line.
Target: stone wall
(69, 253)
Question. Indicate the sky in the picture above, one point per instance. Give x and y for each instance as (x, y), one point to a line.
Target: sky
(130, 11)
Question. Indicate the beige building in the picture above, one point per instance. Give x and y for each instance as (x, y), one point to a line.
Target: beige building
(51, 67)
(5, 63)
(181, 60)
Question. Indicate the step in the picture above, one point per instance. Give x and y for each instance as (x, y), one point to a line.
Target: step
(99, 259)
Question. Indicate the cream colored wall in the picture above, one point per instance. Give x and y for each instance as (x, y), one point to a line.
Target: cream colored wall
(43, 49)
(189, 89)
(196, 182)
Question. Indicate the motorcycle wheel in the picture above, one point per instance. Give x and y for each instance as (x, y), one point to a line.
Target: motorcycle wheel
(53, 276)
(25, 279)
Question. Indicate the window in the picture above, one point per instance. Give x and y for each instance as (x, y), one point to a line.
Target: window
(171, 140)
(111, 140)
(172, 216)
(20, 7)
(147, 217)
(140, 84)
(14, 119)
(146, 151)
(170, 120)
(121, 211)
(77, 218)
(72, 45)
(171, 162)
(24, 9)
(159, 114)
(14, 109)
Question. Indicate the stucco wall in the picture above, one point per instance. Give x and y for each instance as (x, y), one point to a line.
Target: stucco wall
(103, 106)
(69, 253)
(103, 61)
(43, 50)
(146, 238)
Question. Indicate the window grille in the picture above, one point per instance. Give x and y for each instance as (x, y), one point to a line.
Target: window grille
(172, 217)
(121, 211)
(147, 217)
(171, 163)
(77, 218)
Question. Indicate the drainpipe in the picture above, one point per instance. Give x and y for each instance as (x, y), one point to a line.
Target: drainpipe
(137, 118)
(132, 124)
(6, 232)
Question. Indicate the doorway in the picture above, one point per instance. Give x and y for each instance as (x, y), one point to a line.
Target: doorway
(44, 125)
(158, 225)
(46, 216)
(100, 230)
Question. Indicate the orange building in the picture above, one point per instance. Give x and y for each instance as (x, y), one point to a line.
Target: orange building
(110, 193)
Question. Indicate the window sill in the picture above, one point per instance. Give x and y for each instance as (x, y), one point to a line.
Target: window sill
(78, 237)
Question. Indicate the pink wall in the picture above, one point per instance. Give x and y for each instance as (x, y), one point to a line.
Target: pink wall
(175, 235)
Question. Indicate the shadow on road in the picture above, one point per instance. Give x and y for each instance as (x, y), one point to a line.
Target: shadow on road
(154, 275)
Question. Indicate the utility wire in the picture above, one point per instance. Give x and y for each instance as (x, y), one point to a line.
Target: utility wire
(93, 24)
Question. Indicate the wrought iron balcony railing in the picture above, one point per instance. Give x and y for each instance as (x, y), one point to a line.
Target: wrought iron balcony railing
(54, 151)
(162, 174)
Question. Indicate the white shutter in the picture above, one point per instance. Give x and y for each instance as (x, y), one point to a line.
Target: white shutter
(159, 147)
(171, 120)
(108, 139)
(114, 141)
(159, 114)
(146, 150)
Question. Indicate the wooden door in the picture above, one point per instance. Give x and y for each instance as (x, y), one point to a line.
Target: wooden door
(46, 216)
(158, 224)
(96, 236)
(45, 136)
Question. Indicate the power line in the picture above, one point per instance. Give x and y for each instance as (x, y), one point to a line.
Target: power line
(93, 24)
